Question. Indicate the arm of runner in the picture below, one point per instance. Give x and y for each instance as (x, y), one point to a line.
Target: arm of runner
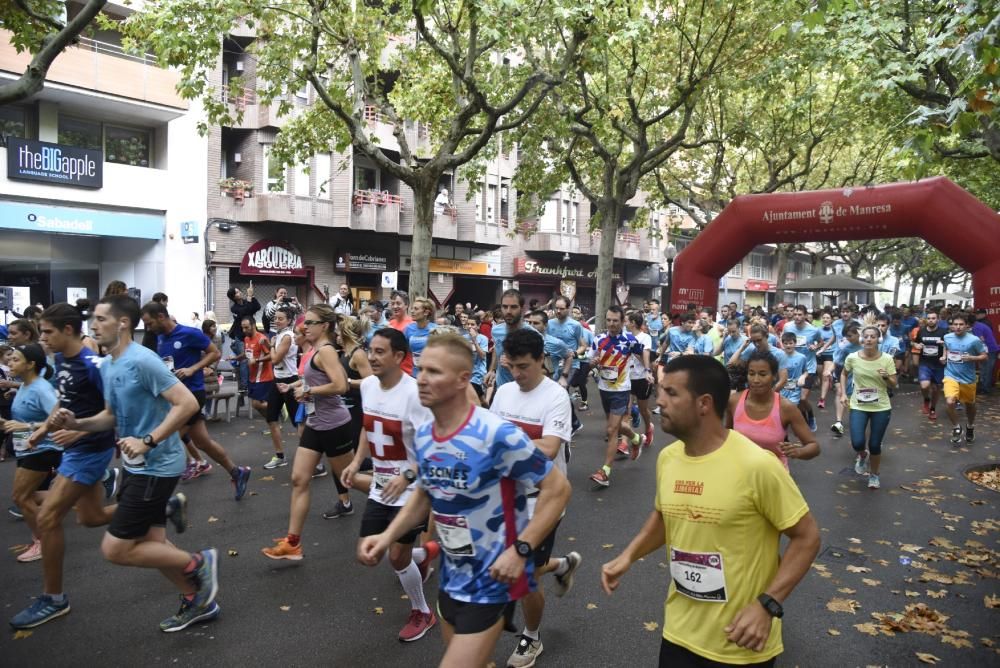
(182, 406)
(347, 475)
(371, 548)
(549, 445)
(650, 538)
(792, 418)
(567, 368)
(843, 387)
(327, 360)
(751, 626)
(63, 418)
(63, 437)
(210, 356)
(553, 494)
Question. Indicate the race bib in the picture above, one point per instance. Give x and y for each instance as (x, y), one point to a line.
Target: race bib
(954, 356)
(843, 343)
(866, 395)
(310, 408)
(383, 474)
(609, 373)
(699, 575)
(169, 361)
(931, 351)
(455, 535)
(21, 440)
(800, 341)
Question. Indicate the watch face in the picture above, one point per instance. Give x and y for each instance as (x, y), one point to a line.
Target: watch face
(523, 549)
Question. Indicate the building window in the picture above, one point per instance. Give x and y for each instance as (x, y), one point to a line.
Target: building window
(574, 212)
(302, 180)
(736, 271)
(79, 133)
(11, 123)
(564, 217)
(322, 174)
(479, 206)
(365, 178)
(126, 146)
(759, 266)
(274, 172)
(491, 199)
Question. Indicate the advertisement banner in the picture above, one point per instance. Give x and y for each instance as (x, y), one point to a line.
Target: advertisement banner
(270, 257)
(33, 160)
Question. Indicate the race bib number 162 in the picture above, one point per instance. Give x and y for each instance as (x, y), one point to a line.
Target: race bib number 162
(699, 575)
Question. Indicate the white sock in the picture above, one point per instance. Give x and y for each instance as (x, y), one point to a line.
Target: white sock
(419, 555)
(563, 566)
(413, 585)
(530, 634)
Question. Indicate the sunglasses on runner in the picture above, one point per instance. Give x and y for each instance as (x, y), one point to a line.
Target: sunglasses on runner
(312, 322)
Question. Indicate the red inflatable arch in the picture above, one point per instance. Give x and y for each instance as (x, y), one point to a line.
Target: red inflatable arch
(936, 210)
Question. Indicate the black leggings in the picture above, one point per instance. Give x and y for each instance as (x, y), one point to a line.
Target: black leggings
(580, 379)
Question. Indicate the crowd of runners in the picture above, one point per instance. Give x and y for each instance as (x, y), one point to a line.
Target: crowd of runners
(458, 424)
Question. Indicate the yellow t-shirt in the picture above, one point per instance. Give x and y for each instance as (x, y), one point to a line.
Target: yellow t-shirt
(723, 514)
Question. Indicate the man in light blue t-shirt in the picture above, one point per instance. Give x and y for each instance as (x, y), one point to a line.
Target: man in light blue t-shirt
(962, 350)
(147, 405)
(511, 306)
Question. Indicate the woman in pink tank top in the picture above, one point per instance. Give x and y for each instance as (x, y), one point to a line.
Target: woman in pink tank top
(763, 416)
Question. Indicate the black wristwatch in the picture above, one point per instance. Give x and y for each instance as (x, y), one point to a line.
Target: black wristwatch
(772, 606)
(410, 475)
(148, 441)
(523, 548)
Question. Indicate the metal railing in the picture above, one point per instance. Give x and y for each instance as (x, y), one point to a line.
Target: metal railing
(115, 50)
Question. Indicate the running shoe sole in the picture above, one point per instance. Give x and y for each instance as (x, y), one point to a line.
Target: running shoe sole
(564, 582)
(212, 613)
(209, 568)
(279, 557)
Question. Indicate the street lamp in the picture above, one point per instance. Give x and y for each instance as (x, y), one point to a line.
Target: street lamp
(670, 253)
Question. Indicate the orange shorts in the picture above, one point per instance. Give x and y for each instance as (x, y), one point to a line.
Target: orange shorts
(964, 392)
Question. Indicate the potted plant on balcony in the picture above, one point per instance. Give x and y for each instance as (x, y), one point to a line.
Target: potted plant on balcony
(236, 188)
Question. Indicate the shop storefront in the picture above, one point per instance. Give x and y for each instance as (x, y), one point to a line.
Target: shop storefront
(643, 282)
(310, 262)
(757, 292)
(363, 272)
(540, 281)
(52, 253)
(458, 274)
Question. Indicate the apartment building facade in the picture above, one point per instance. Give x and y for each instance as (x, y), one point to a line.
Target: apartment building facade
(100, 175)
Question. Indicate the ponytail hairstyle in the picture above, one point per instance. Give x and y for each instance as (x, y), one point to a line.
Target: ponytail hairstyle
(326, 314)
(62, 315)
(85, 308)
(352, 332)
(35, 354)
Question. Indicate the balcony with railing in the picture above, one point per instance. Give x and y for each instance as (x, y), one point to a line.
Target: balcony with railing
(102, 67)
(446, 222)
(629, 245)
(376, 210)
(254, 113)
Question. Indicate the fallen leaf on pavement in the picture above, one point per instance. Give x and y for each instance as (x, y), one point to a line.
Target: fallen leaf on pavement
(608, 545)
(285, 608)
(940, 593)
(21, 635)
(991, 601)
(927, 658)
(867, 628)
(213, 518)
(591, 606)
(957, 642)
(650, 626)
(884, 542)
(987, 642)
(858, 569)
(378, 611)
(913, 549)
(854, 540)
(267, 477)
(847, 590)
(842, 605)
(870, 582)
(833, 632)
(912, 593)
(233, 553)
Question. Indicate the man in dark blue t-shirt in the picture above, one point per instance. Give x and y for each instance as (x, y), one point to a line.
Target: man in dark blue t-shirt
(187, 352)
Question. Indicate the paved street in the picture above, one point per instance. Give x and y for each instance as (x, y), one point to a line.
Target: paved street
(328, 610)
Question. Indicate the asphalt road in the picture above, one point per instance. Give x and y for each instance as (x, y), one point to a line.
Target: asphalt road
(328, 610)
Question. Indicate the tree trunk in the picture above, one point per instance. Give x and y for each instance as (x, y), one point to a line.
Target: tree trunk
(895, 287)
(913, 290)
(923, 288)
(423, 234)
(782, 269)
(817, 270)
(606, 263)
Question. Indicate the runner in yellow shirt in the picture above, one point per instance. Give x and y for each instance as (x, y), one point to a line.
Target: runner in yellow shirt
(721, 506)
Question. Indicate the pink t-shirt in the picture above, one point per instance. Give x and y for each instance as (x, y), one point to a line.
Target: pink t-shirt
(767, 433)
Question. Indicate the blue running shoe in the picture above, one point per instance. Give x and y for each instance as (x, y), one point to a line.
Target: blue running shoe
(811, 421)
(206, 576)
(189, 614)
(241, 480)
(42, 610)
(636, 420)
(177, 511)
